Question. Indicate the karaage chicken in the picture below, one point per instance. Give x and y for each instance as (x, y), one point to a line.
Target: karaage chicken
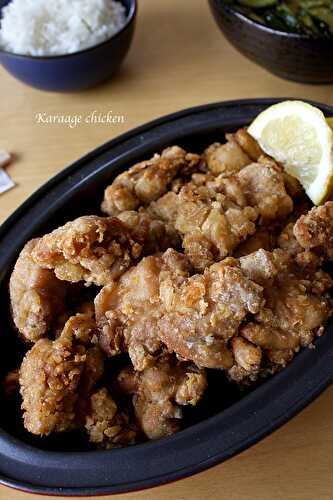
(160, 391)
(148, 180)
(204, 262)
(37, 297)
(296, 308)
(106, 426)
(57, 377)
(91, 249)
(127, 311)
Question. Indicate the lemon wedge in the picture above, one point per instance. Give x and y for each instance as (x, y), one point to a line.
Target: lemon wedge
(298, 136)
(330, 122)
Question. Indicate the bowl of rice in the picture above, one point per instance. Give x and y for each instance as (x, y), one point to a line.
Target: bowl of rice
(65, 46)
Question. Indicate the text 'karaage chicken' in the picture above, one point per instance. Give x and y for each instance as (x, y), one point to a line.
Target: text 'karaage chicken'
(202, 262)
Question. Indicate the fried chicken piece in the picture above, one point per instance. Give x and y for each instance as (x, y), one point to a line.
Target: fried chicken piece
(314, 231)
(217, 214)
(259, 266)
(264, 188)
(293, 187)
(91, 249)
(205, 311)
(57, 376)
(154, 235)
(287, 240)
(37, 296)
(210, 221)
(247, 360)
(262, 239)
(297, 306)
(148, 180)
(248, 144)
(165, 208)
(160, 391)
(254, 151)
(229, 158)
(297, 302)
(106, 425)
(127, 310)
(225, 159)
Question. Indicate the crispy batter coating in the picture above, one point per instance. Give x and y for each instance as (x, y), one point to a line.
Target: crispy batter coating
(264, 188)
(91, 249)
(160, 391)
(148, 180)
(214, 215)
(247, 358)
(297, 306)
(106, 426)
(127, 311)
(287, 240)
(154, 235)
(248, 144)
(205, 311)
(212, 219)
(56, 378)
(262, 239)
(212, 225)
(314, 231)
(37, 296)
(226, 159)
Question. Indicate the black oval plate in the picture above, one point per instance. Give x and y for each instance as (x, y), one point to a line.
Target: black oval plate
(244, 420)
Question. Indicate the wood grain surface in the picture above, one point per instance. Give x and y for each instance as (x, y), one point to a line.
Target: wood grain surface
(178, 59)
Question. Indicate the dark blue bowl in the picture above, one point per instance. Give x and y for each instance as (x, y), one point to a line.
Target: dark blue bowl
(292, 56)
(70, 72)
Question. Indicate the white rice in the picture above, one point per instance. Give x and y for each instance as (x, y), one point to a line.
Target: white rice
(54, 27)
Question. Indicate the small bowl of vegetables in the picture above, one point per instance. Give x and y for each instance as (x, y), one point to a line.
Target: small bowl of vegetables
(292, 39)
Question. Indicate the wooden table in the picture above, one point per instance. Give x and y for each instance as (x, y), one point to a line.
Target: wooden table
(178, 59)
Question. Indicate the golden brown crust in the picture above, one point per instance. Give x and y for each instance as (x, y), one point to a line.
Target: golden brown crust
(314, 230)
(37, 296)
(148, 180)
(205, 311)
(248, 144)
(91, 249)
(127, 311)
(264, 188)
(106, 426)
(160, 391)
(55, 376)
(296, 307)
(225, 159)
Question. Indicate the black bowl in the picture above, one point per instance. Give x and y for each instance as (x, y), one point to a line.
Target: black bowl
(77, 71)
(288, 55)
(221, 426)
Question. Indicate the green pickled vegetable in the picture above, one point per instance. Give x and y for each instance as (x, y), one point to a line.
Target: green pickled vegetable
(309, 17)
(258, 4)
